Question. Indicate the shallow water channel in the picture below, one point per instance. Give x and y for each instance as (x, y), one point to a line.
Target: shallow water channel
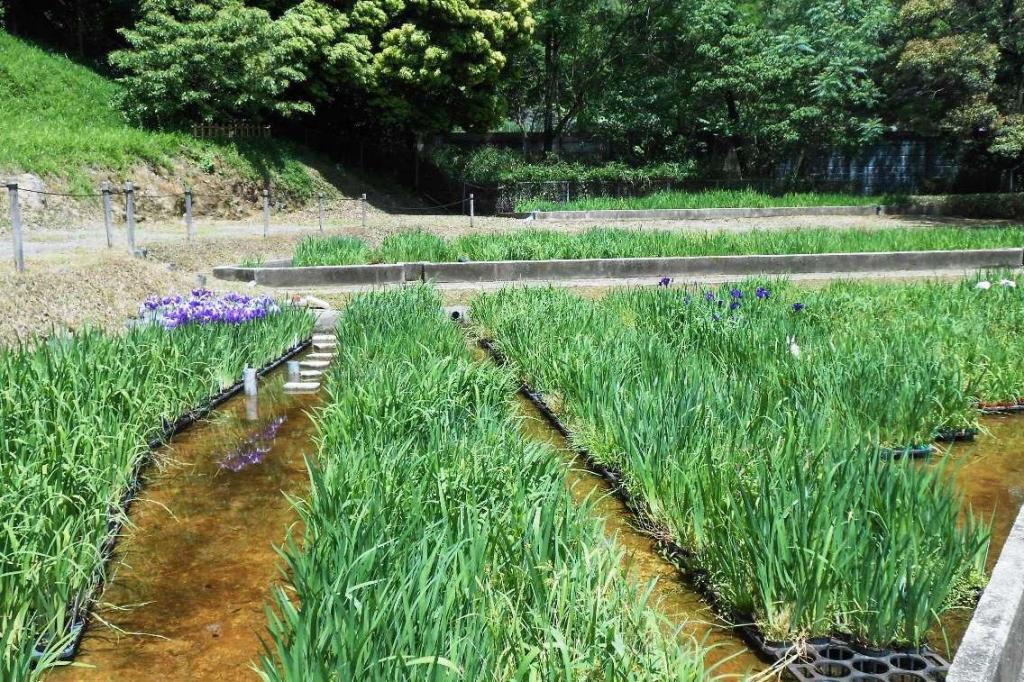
(194, 571)
(682, 607)
(990, 472)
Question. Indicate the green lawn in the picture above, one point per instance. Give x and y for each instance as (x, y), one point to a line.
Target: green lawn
(416, 245)
(708, 199)
(59, 120)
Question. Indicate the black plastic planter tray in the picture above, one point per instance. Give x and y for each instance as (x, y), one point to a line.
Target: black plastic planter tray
(909, 452)
(79, 610)
(956, 435)
(1001, 409)
(825, 659)
(818, 660)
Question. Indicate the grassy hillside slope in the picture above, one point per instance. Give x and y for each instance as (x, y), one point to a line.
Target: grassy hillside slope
(57, 120)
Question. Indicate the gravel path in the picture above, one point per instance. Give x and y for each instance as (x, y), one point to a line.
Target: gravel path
(73, 280)
(234, 240)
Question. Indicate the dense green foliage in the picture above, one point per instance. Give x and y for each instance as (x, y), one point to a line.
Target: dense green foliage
(752, 429)
(75, 417)
(422, 66)
(59, 120)
(748, 81)
(415, 246)
(771, 80)
(709, 199)
(1005, 206)
(439, 543)
(489, 164)
(195, 61)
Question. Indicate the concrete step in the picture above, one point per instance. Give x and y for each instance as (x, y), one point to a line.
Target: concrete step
(314, 364)
(301, 386)
(310, 373)
(320, 356)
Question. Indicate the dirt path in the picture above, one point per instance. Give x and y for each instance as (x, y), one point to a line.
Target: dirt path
(72, 279)
(240, 239)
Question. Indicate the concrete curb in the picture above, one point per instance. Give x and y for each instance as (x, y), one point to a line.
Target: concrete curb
(706, 213)
(623, 268)
(993, 647)
(273, 275)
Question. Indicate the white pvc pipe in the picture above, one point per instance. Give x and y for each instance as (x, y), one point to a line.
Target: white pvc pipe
(249, 380)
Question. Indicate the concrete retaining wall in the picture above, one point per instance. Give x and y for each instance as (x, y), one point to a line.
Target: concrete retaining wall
(624, 268)
(286, 276)
(993, 647)
(705, 213)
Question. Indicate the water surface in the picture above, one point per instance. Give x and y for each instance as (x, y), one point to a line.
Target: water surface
(682, 607)
(194, 570)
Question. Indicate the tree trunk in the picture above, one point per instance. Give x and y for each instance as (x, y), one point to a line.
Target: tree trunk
(736, 139)
(551, 77)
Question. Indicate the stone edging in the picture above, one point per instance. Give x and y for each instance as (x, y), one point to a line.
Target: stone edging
(281, 274)
(992, 650)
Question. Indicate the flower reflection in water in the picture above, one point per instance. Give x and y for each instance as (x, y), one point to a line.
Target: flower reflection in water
(253, 448)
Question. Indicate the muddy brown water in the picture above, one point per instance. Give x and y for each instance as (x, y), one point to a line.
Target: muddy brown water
(990, 473)
(682, 607)
(194, 571)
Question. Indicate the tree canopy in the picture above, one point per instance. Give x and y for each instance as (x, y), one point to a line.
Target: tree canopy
(409, 63)
(659, 79)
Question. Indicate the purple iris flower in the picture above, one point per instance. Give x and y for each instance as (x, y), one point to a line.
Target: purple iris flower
(762, 293)
(734, 305)
(664, 281)
(736, 293)
(797, 307)
(204, 307)
(709, 296)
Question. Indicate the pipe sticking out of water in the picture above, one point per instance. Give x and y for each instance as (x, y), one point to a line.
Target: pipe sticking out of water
(293, 370)
(249, 380)
(252, 408)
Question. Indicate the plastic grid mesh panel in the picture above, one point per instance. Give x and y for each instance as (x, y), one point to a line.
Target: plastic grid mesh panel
(834, 659)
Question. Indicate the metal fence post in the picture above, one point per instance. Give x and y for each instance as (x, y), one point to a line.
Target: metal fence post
(108, 222)
(362, 204)
(19, 251)
(190, 228)
(320, 210)
(472, 209)
(266, 212)
(129, 213)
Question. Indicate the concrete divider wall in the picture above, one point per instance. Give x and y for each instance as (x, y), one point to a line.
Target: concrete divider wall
(992, 650)
(705, 213)
(624, 268)
(627, 268)
(284, 276)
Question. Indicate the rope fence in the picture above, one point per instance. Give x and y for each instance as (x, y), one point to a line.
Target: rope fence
(129, 196)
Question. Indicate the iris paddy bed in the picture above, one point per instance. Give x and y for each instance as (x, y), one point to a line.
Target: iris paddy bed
(744, 198)
(420, 246)
(76, 416)
(752, 420)
(440, 544)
